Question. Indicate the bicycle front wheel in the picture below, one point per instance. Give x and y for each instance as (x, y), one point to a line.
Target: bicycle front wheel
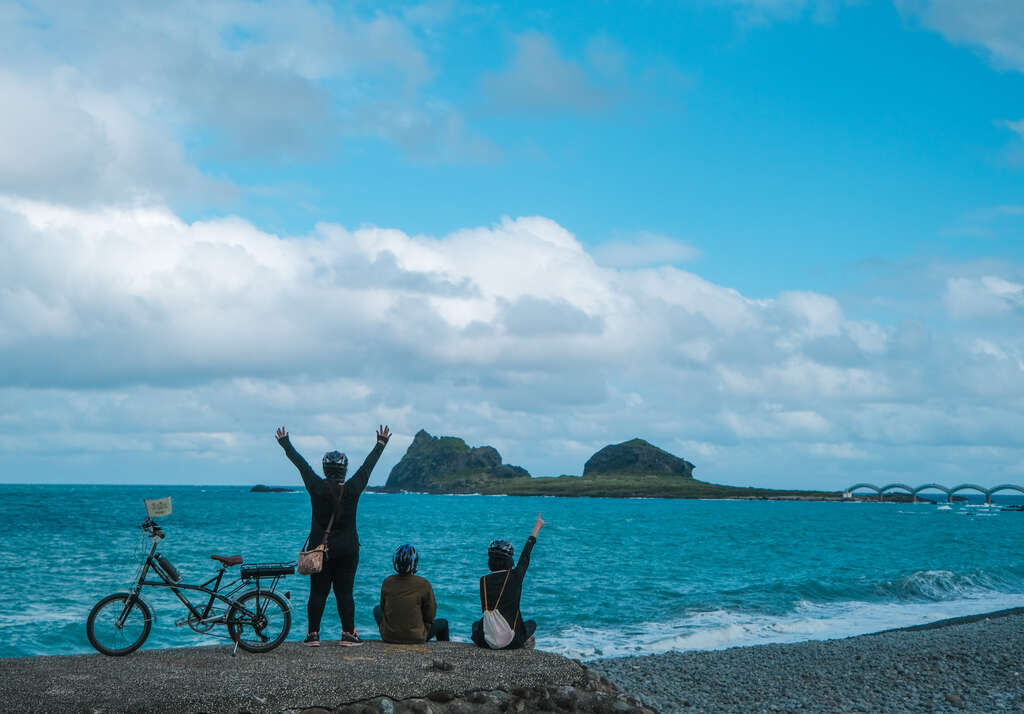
(119, 624)
(259, 621)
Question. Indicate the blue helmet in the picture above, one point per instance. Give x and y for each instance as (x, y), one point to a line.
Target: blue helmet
(405, 559)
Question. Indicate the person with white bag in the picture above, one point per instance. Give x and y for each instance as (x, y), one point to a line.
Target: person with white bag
(502, 625)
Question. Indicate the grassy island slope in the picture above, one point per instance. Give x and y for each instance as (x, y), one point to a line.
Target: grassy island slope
(631, 469)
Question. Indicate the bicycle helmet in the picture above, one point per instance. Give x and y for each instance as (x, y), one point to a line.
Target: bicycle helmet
(405, 559)
(499, 555)
(501, 548)
(335, 465)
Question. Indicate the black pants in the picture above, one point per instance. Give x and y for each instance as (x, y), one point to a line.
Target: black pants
(340, 573)
(438, 628)
(529, 627)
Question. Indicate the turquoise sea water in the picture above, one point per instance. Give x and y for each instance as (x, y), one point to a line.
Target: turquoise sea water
(609, 577)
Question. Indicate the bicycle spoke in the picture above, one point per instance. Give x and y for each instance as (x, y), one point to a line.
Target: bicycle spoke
(117, 625)
(260, 621)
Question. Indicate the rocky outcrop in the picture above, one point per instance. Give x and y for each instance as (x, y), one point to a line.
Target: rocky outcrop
(639, 457)
(446, 464)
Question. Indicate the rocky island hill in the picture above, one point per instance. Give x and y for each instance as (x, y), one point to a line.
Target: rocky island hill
(634, 468)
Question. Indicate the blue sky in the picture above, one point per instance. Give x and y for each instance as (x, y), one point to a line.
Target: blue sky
(781, 232)
(834, 140)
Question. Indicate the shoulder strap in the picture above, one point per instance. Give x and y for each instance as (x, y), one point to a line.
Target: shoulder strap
(498, 601)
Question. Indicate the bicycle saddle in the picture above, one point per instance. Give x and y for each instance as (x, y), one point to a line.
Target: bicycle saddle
(227, 560)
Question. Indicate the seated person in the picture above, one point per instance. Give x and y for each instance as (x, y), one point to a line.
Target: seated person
(502, 626)
(407, 606)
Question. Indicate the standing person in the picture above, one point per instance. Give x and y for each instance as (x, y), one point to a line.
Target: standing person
(333, 496)
(407, 610)
(500, 591)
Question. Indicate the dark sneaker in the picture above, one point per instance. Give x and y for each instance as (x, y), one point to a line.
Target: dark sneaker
(312, 639)
(350, 639)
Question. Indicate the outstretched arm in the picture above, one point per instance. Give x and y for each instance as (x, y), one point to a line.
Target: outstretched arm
(362, 476)
(309, 476)
(524, 557)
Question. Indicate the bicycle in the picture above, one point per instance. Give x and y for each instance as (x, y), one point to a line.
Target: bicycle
(257, 620)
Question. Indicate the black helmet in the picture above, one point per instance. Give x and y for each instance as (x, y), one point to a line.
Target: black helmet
(501, 548)
(405, 559)
(335, 465)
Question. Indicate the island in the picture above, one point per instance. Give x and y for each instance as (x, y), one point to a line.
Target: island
(260, 488)
(631, 469)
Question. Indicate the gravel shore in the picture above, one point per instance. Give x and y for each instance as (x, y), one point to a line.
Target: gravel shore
(973, 664)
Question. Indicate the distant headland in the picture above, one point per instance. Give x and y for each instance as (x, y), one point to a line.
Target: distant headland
(632, 469)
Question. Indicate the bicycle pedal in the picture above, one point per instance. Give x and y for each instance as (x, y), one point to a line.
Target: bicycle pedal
(181, 623)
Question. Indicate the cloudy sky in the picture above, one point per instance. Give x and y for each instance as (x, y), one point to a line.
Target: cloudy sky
(780, 238)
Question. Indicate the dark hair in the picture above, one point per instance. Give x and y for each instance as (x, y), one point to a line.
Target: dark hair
(499, 562)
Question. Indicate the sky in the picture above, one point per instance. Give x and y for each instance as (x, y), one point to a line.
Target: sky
(783, 239)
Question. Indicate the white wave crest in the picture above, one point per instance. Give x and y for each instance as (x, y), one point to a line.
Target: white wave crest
(721, 629)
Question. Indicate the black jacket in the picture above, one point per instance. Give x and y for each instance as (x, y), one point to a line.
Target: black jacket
(344, 540)
(490, 588)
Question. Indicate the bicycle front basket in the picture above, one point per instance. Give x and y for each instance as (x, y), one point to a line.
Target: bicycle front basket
(267, 570)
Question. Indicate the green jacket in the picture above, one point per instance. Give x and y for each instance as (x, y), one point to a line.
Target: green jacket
(407, 609)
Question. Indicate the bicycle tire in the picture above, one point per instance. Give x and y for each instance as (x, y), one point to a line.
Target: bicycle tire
(99, 620)
(239, 622)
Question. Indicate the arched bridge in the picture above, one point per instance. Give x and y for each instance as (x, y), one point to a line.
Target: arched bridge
(950, 492)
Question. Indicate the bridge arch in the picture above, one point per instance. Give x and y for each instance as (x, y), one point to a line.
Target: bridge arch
(1002, 487)
(968, 487)
(893, 487)
(859, 486)
(931, 487)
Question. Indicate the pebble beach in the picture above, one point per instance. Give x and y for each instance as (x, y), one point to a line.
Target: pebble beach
(973, 664)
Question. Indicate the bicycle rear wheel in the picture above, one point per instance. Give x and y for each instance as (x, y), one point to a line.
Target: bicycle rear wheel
(119, 624)
(259, 621)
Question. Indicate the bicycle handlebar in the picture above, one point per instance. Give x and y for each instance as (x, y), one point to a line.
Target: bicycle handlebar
(152, 528)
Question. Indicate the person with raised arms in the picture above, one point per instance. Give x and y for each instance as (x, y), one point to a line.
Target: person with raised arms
(334, 503)
(502, 625)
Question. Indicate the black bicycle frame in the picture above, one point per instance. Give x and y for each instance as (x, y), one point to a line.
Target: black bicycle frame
(177, 588)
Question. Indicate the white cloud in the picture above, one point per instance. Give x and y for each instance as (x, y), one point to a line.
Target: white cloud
(118, 102)
(986, 296)
(61, 140)
(997, 26)
(539, 79)
(129, 331)
(1018, 128)
(644, 249)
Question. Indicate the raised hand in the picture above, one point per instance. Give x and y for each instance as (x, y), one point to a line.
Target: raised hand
(383, 434)
(282, 433)
(538, 525)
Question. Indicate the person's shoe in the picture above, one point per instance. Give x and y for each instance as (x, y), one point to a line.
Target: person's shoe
(312, 639)
(350, 639)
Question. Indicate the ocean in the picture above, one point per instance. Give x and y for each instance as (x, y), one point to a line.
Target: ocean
(608, 577)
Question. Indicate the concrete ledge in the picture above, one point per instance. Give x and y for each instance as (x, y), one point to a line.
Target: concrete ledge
(291, 678)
